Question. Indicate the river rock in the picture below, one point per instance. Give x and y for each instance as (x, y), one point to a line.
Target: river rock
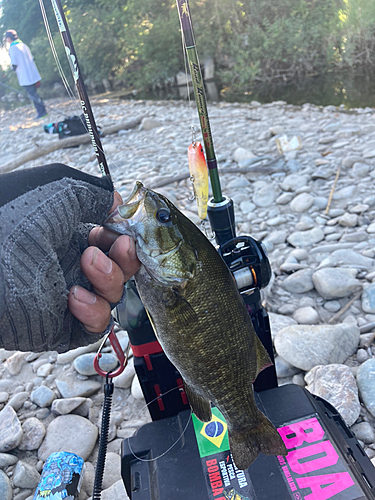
(242, 154)
(366, 384)
(364, 431)
(347, 257)
(335, 283)
(115, 492)
(84, 364)
(77, 388)
(136, 389)
(293, 182)
(306, 315)
(18, 399)
(306, 238)
(70, 433)
(10, 429)
(264, 196)
(306, 346)
(65, 406)
(124, 380)
(6, 491)
(299, 282)
(33, 434)
(302, 202)
(283, 368)
(278, 322)
(112, 472)
(16, 362)
(336, 384)
(368, 298)
(149, 124)
(43, 396)
(25, 476)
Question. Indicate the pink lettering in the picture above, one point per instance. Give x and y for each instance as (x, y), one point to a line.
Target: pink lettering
(334, 483)
(295, 435)
(330, 457)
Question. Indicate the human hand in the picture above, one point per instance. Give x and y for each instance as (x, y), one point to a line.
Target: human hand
(46, 214)
(106, 274)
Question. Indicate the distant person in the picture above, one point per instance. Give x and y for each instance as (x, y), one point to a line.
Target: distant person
(27, 72)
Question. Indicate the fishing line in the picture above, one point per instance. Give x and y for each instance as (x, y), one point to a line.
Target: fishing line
(173, 445)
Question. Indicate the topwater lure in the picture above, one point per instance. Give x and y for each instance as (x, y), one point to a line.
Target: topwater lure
(199, 176)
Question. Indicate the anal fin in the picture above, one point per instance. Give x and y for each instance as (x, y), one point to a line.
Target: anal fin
(200, 406)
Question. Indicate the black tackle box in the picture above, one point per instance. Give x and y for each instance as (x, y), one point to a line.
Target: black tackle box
(181, 458)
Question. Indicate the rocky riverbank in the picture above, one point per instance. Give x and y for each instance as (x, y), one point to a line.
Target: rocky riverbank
(321, 299)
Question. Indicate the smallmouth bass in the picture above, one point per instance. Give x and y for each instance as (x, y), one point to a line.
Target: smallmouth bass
(200, 319)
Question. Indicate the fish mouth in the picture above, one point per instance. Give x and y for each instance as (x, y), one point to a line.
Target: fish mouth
(121, 219)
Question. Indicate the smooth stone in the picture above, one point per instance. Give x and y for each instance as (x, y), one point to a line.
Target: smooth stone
(112, 472)
(136, 389)
(306, 238)
(301, 202)
(242, 154)
(299, 254)
(84, 364)
(299, 282)
(320, 202)
(115, 492)
(276, 237)
(347, 257)
(264, 196)
(368, 298)
(149, 124)
(70, 433)
(18, 399)
(33, 434)
(364, 431)
(336, 384)
(4, 396)
(366, 384)
(6, 460)
(10, 429)
(362, 355)
(284, 198)
(306, 316)
(371, 228)
(348, 220)
(278, 322)
(15, 362)
(306, 346)
(238, 182)
(124, 380)
(70, 356)
(6, 490)
(42, 396)
(332, 306)
(289, 267)
(359, 170)
(283, 368)
(77, 388)
(335, 283)
(345, 193)
(25, 476)
(45, 370)
(293, 182)
(247, 206)
(66, 406)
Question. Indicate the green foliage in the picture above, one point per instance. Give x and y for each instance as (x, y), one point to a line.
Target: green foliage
(138, 43)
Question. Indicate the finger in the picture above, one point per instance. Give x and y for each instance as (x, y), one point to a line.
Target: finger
(124, 254)
(101, 237)
(92, 311)
(104, 274)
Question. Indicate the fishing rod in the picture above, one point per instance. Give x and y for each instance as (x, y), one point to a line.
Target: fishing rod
(80, 85)
(220, 208)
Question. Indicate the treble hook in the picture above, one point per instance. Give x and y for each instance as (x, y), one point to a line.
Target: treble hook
(120, 354)
(205, 231)
(193, 131)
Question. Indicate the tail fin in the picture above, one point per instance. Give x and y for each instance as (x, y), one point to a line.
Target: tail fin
(246, 445)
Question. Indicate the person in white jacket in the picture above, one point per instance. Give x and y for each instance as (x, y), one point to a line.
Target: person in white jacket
(26, 70)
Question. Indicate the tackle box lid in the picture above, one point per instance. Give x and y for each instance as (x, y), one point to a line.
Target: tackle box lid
(181, 458)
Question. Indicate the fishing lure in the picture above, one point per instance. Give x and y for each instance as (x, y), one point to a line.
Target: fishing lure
(199, 176)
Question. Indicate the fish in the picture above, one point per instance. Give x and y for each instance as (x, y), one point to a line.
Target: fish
(199, 319)
(199, 176)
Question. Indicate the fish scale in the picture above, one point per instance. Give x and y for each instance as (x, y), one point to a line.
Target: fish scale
(199, 318)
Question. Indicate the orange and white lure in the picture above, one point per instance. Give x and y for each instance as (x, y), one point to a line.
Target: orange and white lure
(199, 176)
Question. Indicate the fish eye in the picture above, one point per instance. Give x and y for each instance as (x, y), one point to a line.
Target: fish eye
(163, 215)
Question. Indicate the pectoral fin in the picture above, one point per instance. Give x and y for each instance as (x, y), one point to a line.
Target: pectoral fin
(200, 406)
(262, 357)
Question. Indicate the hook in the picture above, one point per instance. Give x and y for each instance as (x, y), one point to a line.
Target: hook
(121, 356)
(193, 131)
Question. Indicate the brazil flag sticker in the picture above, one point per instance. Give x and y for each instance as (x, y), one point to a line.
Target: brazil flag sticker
(212, 437)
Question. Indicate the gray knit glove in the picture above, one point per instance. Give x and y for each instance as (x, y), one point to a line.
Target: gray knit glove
(46, 214)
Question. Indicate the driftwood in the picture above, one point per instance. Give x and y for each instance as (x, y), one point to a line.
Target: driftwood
(65, 143)
(268, 168)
